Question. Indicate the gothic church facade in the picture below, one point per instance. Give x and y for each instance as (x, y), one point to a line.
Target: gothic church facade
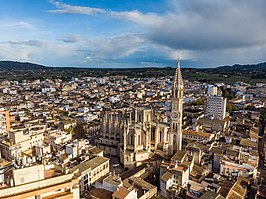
(136, 135)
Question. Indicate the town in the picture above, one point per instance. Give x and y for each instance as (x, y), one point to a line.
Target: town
(120, 138)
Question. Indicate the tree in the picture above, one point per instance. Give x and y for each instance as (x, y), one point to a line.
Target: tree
(231, 107)
(228, 93)
(66, 113)
(263, 114)
(79, 131)
(198, 102)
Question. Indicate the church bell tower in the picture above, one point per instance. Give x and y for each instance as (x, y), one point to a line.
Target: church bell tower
(176, 112)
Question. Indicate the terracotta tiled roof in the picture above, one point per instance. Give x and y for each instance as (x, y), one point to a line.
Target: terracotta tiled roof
(196, 133)
(121, 193)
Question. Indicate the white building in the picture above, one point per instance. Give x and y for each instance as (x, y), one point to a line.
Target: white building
(4, 121)
(114, 99)
(58, 138)
(91, 170)
(216, 107)
(212, 90)
(175, 173)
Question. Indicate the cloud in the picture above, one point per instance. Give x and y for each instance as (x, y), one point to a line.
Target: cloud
(19, 24)
(148, 19)
(106, 49)
(205, 26)
(230, 31)
(33, 43)
(70, 39)
(40, 51)
(69, 9)
(87, 51)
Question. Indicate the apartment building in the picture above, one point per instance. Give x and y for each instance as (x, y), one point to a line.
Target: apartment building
(216, 107)
(91, 170)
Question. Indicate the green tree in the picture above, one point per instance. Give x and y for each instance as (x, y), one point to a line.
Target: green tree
(231, 107)
(263, 113)
(228, 93)
(66, 113)
(198, 102)
(79, 132)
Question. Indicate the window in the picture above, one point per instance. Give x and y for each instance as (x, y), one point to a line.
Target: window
(86, 181)
(86, 177)
(131, 139)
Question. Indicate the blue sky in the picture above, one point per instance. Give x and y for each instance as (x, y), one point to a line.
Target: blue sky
(133, 33)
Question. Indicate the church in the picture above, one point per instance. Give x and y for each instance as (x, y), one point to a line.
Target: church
(134, 135)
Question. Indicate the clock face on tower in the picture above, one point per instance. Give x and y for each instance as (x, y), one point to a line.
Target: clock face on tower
(174, 115)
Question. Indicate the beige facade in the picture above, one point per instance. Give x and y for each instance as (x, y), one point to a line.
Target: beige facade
(175, 173)
(197, 136)
(25, 175)
(57, 138)
(4, 121)
(20, 142)
(135, 134)
(91, 170)
(64, 186)
(28, 140)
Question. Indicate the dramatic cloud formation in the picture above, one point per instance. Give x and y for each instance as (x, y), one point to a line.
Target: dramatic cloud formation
(203, 32)
(211, 26)
(201, 28)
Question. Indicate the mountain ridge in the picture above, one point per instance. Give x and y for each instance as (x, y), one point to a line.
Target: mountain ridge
(16, 65)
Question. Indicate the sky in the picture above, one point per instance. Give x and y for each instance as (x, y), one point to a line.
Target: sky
(133, 33)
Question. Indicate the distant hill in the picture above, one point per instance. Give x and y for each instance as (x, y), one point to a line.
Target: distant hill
(10, 70)
(12, 65)
(238, 67)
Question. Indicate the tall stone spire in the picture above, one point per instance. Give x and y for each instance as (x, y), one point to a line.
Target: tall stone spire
(175, 141)
(178, 82)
